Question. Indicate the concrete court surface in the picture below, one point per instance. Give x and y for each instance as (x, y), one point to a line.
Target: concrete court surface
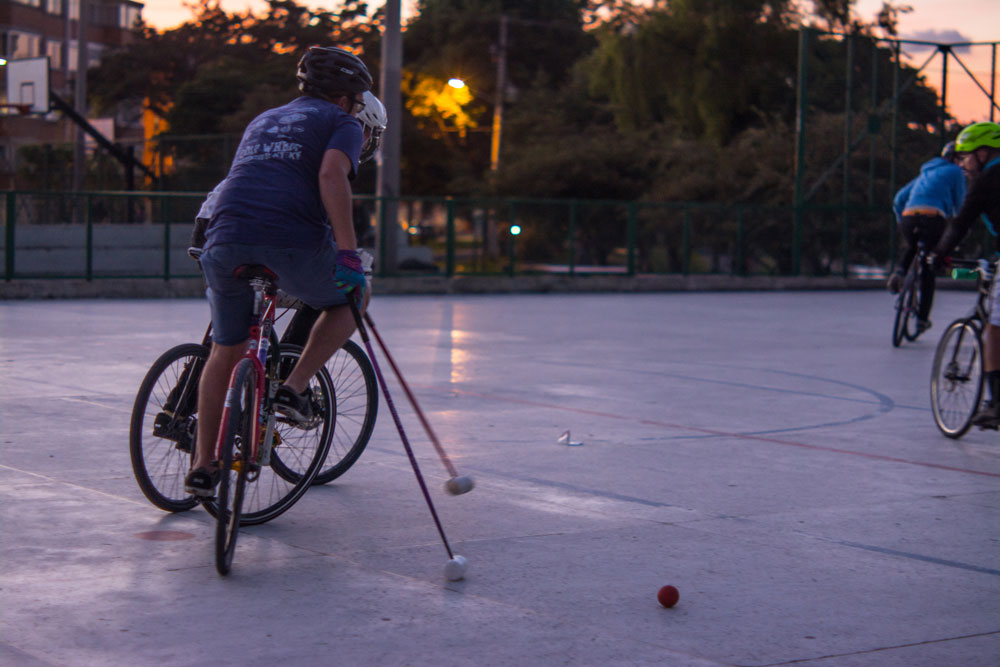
(770, 454)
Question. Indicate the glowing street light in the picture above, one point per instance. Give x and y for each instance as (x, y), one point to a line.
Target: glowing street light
(456, 83)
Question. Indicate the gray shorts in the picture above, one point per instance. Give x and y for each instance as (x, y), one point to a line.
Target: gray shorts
(307, 274)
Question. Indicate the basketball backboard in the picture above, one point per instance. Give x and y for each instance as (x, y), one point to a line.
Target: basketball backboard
(28, 83)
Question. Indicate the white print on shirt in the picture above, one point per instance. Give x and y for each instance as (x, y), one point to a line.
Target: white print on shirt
(259, 146)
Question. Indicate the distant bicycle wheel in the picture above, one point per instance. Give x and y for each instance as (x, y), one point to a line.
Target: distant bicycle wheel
(905, 326)
(163, 426)
(237, 445)
(957, 378)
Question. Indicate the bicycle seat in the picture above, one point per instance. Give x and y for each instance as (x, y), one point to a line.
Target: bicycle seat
(251, 271)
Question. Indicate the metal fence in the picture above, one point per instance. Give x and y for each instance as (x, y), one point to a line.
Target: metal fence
(100, 235)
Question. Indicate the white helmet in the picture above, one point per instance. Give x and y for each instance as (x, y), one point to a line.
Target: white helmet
(374, 119)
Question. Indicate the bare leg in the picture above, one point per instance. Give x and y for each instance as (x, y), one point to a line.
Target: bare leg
(331, 330)
(212, 396)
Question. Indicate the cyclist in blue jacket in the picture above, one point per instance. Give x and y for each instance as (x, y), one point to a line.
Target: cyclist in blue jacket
(923, 208)
(978, 151)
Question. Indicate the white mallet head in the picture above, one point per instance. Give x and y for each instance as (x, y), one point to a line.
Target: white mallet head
(455, 568)
(456, 486)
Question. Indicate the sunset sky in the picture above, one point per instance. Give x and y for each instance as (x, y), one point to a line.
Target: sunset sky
(945, 21)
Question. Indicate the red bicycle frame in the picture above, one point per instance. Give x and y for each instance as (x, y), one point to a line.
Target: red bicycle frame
(258, 348)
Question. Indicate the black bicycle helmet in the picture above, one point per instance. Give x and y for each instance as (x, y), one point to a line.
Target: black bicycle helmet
(327, 70)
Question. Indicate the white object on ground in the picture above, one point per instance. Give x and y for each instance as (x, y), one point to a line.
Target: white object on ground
(455, 568)
(564, 439)
(456, 486)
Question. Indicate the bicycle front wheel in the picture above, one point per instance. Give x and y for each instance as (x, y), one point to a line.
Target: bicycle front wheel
(957, 378)
(235, 463)
(297, 452)
(163, 426)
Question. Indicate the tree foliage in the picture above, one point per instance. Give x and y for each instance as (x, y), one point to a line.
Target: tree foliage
(616, 99)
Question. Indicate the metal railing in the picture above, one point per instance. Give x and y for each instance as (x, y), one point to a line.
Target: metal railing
(101, 235)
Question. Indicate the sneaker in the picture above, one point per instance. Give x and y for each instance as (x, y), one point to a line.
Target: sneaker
(295, 406)
(895, 283)
(202, 482)
(988, 415)
(922, 326)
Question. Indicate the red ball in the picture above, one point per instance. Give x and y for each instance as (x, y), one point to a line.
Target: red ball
(668, 596)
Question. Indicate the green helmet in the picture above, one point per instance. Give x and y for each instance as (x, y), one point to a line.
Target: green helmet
(978, 135)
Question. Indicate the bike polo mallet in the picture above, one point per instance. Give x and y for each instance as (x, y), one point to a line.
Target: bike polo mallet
(456, 566)
(457, 484)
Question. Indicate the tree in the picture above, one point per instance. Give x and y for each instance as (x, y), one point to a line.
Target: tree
(215, 73)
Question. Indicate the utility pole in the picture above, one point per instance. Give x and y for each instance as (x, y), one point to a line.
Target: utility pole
(500, 93)
(387, 181)
(80, 98)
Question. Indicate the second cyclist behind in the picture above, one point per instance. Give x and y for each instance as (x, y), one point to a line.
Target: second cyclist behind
(923, 208)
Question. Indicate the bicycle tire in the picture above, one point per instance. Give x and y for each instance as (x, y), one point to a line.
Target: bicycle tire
(900, 322)
(234, 462)
(957, 378)
(910, 329)
(906, 309)
(275, 490)
(356, 398)
(289, 458)
(161, 463)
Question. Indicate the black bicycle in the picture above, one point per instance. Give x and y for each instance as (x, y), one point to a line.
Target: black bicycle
(907, 324)
(957, 373)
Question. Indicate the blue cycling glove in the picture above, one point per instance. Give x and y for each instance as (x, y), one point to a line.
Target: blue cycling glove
(349, 275)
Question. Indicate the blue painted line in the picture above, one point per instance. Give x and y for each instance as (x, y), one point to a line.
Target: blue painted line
(919, 557)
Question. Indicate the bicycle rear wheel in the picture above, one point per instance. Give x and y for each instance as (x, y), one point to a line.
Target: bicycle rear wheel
(905, 326)
(356, 392)
(957, 378)
(163, 425)
(235, 464)
(296, 445)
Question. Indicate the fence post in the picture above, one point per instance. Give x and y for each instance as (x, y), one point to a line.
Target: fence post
(846, 190)
(739, 269)
(383, 235)
(168, 213)
(450, 239)
(89, 219)
(633, 223)
(572, 236)
(800, 150)
(11, 215)
(686, 241)
(510, 225)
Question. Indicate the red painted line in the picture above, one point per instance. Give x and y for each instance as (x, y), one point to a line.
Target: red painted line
(164, 535)
(741, 436)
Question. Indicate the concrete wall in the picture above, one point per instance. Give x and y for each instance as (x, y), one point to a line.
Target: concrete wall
(60, 250)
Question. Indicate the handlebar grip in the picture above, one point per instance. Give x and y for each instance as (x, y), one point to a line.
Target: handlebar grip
(964, 274)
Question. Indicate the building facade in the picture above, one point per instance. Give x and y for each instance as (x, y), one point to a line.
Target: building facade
(38, 28)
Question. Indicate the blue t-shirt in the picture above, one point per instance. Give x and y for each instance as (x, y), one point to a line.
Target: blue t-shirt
(271, 195)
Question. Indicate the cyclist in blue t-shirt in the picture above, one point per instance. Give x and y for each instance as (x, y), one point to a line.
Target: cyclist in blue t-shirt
(286, 203)
(923, 207)
(978, 150)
